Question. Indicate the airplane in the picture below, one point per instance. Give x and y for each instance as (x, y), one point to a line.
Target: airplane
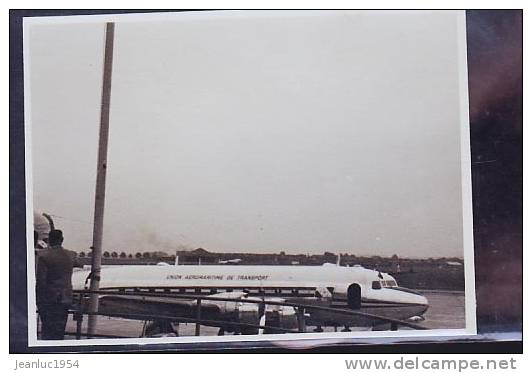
(329, 286)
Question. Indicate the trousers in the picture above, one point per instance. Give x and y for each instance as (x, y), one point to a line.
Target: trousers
(54, 318)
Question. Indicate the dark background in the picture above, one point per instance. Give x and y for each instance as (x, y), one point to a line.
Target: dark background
(494, 39)
(496, 110)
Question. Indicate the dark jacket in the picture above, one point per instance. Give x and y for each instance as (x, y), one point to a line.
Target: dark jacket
(54, 276)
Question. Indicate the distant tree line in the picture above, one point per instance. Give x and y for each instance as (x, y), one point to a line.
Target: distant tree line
(284, 258)
(124, 255)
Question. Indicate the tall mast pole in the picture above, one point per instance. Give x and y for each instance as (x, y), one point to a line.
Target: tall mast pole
(99, 200)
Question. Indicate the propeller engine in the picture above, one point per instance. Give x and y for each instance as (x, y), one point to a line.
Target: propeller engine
(257, 313)
(267, 315)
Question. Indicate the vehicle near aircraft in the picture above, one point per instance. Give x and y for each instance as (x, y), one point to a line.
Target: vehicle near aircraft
(147, 290)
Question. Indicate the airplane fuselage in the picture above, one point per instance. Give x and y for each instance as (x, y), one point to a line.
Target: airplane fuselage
(331, 286)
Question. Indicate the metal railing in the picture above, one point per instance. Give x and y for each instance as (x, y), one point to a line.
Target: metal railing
(198, 320)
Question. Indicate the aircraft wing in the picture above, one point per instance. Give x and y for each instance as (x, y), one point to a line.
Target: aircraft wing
(230, 313)
(139, 307)
(233, 310)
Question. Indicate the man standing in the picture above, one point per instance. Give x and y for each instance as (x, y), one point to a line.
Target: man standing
(54, 286)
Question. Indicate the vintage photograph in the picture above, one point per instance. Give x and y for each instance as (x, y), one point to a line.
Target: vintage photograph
(247, 175)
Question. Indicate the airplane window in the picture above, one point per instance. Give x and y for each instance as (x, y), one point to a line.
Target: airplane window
(375, 285)
(388, 284)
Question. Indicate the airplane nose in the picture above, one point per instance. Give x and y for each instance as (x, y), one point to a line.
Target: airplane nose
(423, 300)
(424, 303)
(412, 296)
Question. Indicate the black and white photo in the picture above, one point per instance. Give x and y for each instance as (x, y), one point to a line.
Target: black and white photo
(248, 175)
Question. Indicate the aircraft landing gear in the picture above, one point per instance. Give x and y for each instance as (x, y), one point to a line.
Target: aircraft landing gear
(158, 328)
(346, 329)
(318, 329)
(221, 331)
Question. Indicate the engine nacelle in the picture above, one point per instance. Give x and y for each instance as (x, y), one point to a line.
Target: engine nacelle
(281, 316)
(250, 313)
(247, 313)
(276, 315)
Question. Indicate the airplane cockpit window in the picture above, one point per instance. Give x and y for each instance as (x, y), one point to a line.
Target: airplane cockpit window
(388, 283)
(375, 285)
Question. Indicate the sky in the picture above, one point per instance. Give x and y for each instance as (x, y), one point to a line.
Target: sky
(301, 132)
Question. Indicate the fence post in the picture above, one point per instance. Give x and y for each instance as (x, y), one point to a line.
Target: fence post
(79, 322)
(78, 316)
(301, 320)
(198, 316)
(262, 312)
